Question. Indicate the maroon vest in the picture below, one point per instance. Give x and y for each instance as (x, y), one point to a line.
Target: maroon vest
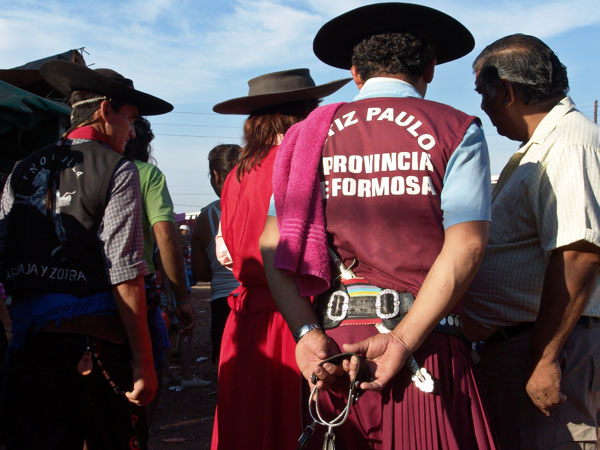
(384, 164)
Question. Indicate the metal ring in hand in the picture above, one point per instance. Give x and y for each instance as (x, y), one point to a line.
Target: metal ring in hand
(354, 390)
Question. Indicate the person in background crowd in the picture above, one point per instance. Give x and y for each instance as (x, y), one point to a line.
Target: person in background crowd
(185, 237)
(407, 186)
(205, 266)
(159, 224)
(81, 365)
(259, 384)
(535, 299)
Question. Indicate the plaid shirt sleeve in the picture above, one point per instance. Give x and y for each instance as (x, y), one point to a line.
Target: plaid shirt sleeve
(121, 229)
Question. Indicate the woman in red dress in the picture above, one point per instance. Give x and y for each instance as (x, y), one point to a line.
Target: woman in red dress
(258, 405)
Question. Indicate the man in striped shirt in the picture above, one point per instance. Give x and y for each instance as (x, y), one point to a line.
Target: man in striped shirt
(535, 299)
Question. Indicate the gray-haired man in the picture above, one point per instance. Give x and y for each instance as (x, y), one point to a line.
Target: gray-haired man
(535, 299)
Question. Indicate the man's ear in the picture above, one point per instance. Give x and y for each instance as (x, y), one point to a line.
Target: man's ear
(105, 110)
(509, 94)
(429, 71)
(357, 78)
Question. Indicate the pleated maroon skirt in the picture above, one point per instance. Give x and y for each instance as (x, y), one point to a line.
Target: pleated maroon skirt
(403, 418)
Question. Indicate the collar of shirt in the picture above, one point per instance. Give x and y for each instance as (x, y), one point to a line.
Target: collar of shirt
(386, 87)
(549, 122)
(88, 132)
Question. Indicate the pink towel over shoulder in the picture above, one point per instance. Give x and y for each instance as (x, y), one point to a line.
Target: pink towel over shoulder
(302, 247)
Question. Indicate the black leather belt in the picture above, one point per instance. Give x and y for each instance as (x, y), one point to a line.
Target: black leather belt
(508, 332)
(389, 306)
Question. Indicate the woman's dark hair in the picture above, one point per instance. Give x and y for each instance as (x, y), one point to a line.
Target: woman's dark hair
(262, 128)
(534, 70)
(391, 54)
(139, 148)
(223, 158)
(82, 114)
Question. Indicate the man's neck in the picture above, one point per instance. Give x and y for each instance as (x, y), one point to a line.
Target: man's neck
(88, 132)
(532, 116)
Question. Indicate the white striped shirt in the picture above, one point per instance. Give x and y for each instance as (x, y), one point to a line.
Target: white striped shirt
(550, 201)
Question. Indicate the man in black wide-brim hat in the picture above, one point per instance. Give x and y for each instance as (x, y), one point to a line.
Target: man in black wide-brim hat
(407, 183)
(81, 365)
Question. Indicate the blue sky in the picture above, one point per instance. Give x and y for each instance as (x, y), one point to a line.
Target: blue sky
(198, 53)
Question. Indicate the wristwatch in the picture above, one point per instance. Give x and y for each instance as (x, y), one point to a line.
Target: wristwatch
(305, 329)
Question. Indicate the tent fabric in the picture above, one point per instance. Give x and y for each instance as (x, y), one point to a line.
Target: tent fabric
(28, 75)
(70, 55)
(23, 110)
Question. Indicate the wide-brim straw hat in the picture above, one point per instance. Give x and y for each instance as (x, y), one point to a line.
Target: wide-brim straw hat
(67, 77)
(277, 88)
(335, 41)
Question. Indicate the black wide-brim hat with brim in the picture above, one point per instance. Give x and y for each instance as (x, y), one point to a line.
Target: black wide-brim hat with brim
(335, 41)
(67, 77)
(278, 88)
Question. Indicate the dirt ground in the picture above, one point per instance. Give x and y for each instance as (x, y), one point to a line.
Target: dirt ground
(183, 420)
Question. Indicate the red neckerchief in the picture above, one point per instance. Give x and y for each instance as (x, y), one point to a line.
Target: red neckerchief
(88, 132)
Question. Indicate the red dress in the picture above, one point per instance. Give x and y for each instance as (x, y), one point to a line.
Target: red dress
(258, 405)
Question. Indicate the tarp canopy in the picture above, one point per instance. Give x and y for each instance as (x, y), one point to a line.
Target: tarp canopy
(28, 75)
(27, 122)
(70, 55)
(23, 110)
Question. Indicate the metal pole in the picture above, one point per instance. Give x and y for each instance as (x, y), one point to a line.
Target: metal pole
(595, 111)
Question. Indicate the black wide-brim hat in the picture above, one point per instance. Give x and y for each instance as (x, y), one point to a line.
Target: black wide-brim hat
(67, 77)
(335, 41)
(277, 88)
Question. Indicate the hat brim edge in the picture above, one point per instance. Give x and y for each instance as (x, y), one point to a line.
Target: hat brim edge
(67, 77)
(248, 104)
(334, 42)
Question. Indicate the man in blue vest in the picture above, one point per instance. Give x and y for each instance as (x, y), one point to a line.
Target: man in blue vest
(71, 250)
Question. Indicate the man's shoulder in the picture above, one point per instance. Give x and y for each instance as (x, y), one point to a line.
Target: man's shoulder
(146, 167)
(415, 102)
(448, 109)
(149, 173)
(575, 128)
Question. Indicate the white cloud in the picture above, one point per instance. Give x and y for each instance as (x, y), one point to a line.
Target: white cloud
(542, 19)
(187, 53)
(201, 52)
(148, 10)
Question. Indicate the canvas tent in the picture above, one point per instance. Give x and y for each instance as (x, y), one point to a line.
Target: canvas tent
(27, 122)
(28, 75)
(31, 112)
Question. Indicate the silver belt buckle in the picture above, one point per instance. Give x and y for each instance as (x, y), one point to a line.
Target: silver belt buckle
(396, 298)
(345, 306)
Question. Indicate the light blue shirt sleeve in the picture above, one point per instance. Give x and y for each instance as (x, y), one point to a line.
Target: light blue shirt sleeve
(272, 211)
(467, 191)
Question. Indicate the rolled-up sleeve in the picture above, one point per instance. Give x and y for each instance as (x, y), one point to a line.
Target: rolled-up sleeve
(121, 231)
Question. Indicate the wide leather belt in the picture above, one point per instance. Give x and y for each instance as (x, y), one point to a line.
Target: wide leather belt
(387, 307)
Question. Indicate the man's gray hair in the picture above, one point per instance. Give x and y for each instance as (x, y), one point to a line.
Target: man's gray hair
(533, 69)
